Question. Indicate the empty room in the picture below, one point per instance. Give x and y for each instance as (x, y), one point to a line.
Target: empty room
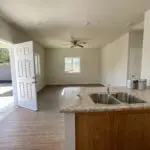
(74, 75)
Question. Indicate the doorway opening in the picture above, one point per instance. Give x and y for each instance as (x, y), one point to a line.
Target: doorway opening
(6, 88)
(135, 54)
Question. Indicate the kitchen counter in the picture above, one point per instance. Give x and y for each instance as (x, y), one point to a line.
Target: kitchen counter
(85, 103)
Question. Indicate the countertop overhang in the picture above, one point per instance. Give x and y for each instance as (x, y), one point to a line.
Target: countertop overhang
(85, 104)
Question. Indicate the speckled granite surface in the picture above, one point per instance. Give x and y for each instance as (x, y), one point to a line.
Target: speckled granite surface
(85, 104)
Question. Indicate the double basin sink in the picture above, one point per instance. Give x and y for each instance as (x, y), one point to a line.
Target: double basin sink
(115, 98)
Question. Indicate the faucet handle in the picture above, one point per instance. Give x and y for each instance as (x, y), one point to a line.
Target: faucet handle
(108, 88)
(79, 97)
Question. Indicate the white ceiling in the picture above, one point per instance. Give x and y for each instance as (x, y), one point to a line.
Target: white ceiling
(51, 22)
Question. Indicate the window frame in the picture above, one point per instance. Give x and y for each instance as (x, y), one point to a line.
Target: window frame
(73, 65)
(37, 65)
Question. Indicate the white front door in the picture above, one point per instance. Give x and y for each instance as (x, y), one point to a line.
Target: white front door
(25, 75)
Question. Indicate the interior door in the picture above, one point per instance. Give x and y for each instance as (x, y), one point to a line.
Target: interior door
(25, 75)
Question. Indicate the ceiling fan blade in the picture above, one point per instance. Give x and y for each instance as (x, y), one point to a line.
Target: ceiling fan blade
(66, 44)
(83, 42)
(80, 45)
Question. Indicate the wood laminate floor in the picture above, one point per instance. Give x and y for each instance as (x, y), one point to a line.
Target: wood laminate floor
(42, 130)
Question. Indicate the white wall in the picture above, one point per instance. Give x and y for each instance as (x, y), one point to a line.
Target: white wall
(40, 79)
(5, 73)
(89, 66)
(135, 53)
(146, 48)
(113, 62)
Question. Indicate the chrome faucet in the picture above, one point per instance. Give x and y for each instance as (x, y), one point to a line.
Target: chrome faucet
(108, 89)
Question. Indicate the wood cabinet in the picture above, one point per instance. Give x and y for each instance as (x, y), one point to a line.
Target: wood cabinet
(122, 130)
(133, 130)
(94, 131)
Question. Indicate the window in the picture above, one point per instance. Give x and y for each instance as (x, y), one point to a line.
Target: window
(72, 64)
(4, 56)
(37, 65)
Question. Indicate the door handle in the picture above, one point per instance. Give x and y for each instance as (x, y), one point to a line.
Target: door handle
(34, 82)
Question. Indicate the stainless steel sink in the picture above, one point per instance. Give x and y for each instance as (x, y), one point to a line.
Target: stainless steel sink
(127, 98)
(103, 99)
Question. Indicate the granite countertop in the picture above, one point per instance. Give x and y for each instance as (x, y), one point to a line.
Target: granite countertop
(85, 104)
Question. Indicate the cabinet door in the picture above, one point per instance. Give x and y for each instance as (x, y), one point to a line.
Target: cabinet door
(147, 130)
(131, 131)
(94, 131)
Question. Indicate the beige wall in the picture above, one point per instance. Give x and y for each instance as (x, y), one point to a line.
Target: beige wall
(89, 66)
(136, 39)
(113, 62)
(41, 78)
(11, 34)
(146, 48)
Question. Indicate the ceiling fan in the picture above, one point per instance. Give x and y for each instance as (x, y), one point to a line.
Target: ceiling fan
(77, 43)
